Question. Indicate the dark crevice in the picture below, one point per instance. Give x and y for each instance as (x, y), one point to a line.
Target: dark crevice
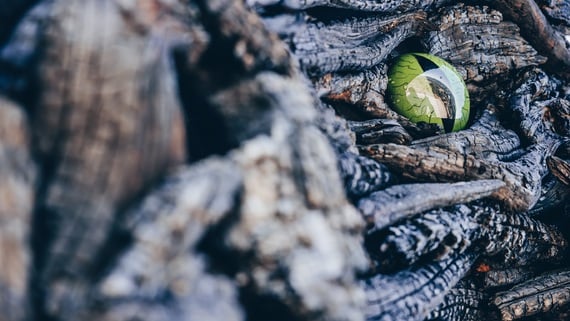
(11, 11)
(206, 133)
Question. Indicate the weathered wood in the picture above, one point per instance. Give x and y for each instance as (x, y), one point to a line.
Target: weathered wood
(358, 95)
(522, 177)
(511, 239)
(378, 131)
(559, 168)
(17, 195)
(504, 277)
(351, 45)
(537, 30)
(434, 235)
(479, 43)
(541, 294)
(386, 207)
(363, 175)
(461, 304)
(553, 196)
(560, 110)
(163, 262)
(119, 93)
(518, 239)
(106, 125)
(364, 5)
(412, 294)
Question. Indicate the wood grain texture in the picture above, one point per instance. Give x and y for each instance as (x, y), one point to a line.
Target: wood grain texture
(353, 44)
(461, 304)
(193, 166)
(17, 195)
(541, 294)
(479, 43)
(107, 123)
(386, 207)
(364, 5)
(536, 28)
(411, 294)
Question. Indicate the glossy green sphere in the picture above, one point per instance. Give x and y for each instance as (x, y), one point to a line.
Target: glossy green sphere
(425, 88)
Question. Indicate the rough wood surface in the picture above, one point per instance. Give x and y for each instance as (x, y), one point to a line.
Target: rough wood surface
(365, 5)
(541, 294)
(411, 294)
(466, 35)
(354, 44)
(100, 142)
(202, 160)
(386, 207)
(537, 29)
(461, 304)
(17, 177)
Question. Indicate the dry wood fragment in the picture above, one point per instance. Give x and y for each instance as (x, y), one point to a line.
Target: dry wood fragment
(363, 175)
(559, 113)
(559, 168)
(511, 239)
(518, 239)
(434, 235)
(536, 28)
(386, 207)
(353, 44)
(541, 294)
(479, 43)
(522, 177)
(378, 131)
(553, 197)
(504, 277)
(461, 304)
(411, 294)
(364, 5)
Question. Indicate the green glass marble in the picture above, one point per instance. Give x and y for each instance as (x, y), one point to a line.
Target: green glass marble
(425, 88)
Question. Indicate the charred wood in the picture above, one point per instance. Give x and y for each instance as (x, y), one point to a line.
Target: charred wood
(362, 175)
(351, 45)
(536, 28)
(541, 294)
(434, 235)
(412, 294)
(501, 278)
(479, 43)
(507, 238)
(384, 208)
(461, 304)
(363, 5)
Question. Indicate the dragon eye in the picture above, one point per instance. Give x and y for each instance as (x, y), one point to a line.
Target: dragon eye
(425, 88)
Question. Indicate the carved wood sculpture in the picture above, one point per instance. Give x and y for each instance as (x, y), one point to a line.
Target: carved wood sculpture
(236, 160)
